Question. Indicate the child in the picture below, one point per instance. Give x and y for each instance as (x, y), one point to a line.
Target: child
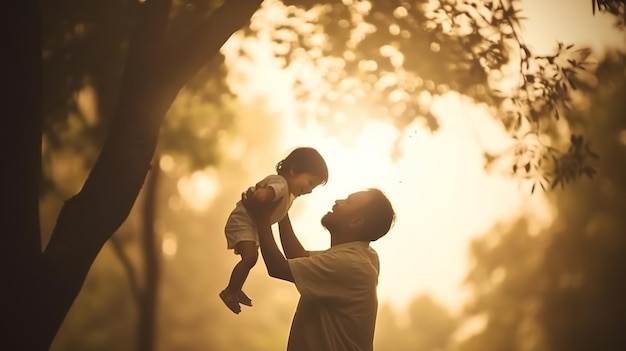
(298, 174)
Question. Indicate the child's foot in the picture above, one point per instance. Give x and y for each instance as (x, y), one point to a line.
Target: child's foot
(231, 301)
(244, 299)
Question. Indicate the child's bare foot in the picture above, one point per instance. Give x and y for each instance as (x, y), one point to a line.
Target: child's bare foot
(231, 301)
(244, 299)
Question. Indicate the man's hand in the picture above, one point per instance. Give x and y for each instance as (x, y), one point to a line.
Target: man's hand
(258, 208)
(263, 193)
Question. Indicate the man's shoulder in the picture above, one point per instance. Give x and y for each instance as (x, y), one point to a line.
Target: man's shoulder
(352, 254)
(355, 248)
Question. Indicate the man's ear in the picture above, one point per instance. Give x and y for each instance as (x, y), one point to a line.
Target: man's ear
(356, 222)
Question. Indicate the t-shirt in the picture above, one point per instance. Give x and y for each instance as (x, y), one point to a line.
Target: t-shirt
(240, 227)
(338, 301)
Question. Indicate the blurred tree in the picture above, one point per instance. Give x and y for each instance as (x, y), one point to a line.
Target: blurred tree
(430, 327)
(583, 279)
(189, 138)
(562, 289)
(505, 290)
(155, 69)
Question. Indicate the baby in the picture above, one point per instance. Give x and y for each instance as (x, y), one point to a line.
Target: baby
(298, 174)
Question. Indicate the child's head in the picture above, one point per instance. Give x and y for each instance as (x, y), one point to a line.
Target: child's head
(304, 169)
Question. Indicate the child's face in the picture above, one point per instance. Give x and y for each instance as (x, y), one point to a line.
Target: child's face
(302, 183)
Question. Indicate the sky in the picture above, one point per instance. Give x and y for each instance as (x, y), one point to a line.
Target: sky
(442, 195)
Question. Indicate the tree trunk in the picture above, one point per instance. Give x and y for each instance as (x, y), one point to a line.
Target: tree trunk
(147, 304)
(20, 257)
(41, 288)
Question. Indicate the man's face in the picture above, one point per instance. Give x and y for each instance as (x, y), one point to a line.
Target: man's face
(346, 213)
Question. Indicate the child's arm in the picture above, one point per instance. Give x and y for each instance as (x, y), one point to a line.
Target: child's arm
(264, 193)
(291, 245)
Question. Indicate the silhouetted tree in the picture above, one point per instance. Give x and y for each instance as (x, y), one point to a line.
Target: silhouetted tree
(44, 285)
(85, 44)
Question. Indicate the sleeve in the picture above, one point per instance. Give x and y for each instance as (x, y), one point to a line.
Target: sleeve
(324, 276)
(278, 183)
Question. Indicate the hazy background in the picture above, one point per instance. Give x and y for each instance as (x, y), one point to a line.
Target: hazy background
(443, 196)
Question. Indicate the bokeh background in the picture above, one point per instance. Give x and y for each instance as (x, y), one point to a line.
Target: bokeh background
(475, 261)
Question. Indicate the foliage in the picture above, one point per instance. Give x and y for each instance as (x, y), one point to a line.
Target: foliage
(614, 7)
(588, 246)
(562, 289)
(358, 59)
(157, 64)
(85, 45)
(430, 327)
(504, 291)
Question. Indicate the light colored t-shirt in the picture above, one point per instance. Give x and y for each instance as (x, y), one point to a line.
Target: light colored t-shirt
(338, 301)
(241, 227)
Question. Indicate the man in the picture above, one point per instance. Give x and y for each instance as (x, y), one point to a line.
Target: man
(338, 301)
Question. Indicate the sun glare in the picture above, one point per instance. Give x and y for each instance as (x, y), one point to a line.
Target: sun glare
(169, 245)
(199, 189)
(442, 195)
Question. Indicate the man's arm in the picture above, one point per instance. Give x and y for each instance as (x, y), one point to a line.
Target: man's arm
(275, 262)
(291, 245)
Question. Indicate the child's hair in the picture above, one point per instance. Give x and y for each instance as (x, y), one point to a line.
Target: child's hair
(304, 160)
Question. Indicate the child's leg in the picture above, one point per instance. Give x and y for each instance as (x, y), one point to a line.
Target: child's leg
(249, 255)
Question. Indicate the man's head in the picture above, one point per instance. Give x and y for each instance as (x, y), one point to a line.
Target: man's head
(364, 215)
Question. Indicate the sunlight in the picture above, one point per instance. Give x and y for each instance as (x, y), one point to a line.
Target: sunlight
(199, 190)
(442, 195)
(169, 245)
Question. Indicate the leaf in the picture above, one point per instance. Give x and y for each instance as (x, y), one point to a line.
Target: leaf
(589, 171)
(575, 139)
(555, 182)
(591, 152)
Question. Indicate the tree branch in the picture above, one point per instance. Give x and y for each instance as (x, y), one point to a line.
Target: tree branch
(147, 40)
(131, 273)
(88, 219)
(187, 56)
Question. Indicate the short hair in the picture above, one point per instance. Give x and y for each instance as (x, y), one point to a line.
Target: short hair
(378, 215)
(304, 160)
